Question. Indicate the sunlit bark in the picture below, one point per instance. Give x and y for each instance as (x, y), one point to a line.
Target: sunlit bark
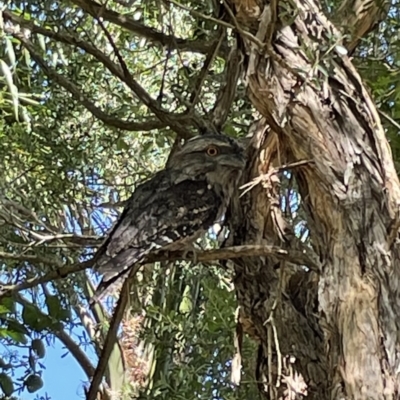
(339, 326)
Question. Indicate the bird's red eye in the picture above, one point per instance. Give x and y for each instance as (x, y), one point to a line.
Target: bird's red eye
(212, 151)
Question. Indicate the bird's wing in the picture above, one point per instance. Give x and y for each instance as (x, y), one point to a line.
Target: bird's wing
(158, 213)
(125, 232)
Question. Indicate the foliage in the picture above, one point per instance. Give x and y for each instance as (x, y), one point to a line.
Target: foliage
(92, 100)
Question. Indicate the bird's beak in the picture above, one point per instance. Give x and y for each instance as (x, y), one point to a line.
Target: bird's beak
(236, 163)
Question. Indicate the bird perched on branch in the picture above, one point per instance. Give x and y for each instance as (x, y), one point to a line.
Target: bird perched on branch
(175, 207)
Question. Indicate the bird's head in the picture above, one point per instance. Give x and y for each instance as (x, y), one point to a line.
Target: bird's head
(209, 153)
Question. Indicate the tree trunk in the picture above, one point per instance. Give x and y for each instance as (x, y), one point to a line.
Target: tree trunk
(332, 333)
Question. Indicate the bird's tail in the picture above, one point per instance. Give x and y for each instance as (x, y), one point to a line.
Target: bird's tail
(105, 286)
(114, 269)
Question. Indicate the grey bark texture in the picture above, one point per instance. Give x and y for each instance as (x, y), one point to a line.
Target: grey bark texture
(331, 334)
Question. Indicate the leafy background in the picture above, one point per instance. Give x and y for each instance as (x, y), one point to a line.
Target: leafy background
(93, 98)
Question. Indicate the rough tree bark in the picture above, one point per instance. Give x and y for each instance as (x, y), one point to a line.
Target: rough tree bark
(331, 334)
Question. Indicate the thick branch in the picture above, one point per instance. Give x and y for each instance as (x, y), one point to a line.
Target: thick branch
(304, 258)
(110, 340)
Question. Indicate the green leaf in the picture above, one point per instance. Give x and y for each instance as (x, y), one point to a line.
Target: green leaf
(122, 145)
(35, 319)
(56, 309)
(6, 384)
(16, 336)
(30, 314)
(38, 347)
(9, 303)
(186, 304)
(4, 309)
(42, 42)
(4, 364)
(33, 383)
(15, 331)
(16, 326)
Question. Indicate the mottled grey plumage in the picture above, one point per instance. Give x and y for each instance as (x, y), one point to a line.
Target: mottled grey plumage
(175, 207)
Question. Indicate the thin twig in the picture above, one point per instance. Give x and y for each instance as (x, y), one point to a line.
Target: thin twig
(390, 119)
(128, 23)
(265, 177)
(31, 258)
(195, 95)
(118, 54)
(163, 78)
(139, 91)
(201, 15)
(216, 21)
(165, 117)
(271, 322)
(75, 90)
(227, 92)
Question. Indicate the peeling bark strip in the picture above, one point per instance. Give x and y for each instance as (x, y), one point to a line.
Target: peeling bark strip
(316, 104)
